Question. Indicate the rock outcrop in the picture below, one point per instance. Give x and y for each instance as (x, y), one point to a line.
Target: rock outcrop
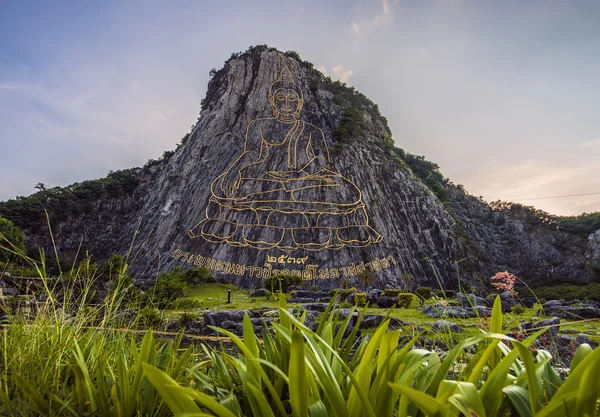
(379, 224)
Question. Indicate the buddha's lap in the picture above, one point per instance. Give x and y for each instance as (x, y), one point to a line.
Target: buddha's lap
(315, 238)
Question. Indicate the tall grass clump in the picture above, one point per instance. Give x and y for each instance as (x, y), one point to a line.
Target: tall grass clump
(74, 355)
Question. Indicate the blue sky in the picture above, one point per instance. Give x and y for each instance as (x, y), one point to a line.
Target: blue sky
(503, 95)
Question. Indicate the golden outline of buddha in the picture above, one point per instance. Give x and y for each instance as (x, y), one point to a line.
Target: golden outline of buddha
(307, 206)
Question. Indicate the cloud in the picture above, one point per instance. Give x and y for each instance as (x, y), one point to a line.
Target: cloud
(590, 143)
(363, 26)
(342, 73)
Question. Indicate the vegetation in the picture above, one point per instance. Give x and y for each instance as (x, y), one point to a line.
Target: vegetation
(570, 292)
(281, 282)
(12, 238)
(300, 372)
(64, 202)
(424, 294)
(168, 287)
(360, 299)
(405, 300)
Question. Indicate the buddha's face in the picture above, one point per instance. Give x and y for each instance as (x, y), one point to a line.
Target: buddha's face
(287, 102)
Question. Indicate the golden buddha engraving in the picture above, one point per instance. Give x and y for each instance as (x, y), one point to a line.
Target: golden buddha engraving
(306, 206)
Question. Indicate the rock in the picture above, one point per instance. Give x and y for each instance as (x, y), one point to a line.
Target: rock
(315, 307)
(350, 299)
(471, 300)
(216, 318)
(258, 293)
(508, 301)
(386, 302)
(583, 338)
(373, 295)
(530, 327)
(305, 294)
(483, 311)
(296, 300)
(434, 311)
(446, 326)
(271, 313)
(172, 196)
(553, 303)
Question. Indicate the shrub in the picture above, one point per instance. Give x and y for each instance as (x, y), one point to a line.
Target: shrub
(424, 293)
(169, 286)
(344, 293)
(542, 301)
(149, 317)
(518, 309)
(281, 282)
(199, 275)
(360, 299)
(268, 295)
(187, 318)
(293, 293)
(394, 292)
(11, 238)
(185, 303)
(440, 294)
(405, 300)
(314, 288)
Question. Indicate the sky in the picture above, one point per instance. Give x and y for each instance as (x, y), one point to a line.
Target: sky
(503, 95)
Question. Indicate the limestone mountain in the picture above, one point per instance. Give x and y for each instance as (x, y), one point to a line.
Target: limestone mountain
(286, 170)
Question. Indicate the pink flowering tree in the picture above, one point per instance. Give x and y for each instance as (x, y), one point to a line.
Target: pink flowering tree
(504, 281)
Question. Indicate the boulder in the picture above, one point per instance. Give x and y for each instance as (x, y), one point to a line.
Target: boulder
(471, 300)
(259, 293)
(315, 307)
(386, 302)
(216, 318)
(531, 326)
(583, 338)
(446, 326)
(373, 295)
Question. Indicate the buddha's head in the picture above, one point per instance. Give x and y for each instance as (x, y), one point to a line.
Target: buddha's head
(286, 96)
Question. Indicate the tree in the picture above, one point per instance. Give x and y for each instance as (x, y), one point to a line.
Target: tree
(40, 186)
(12, 240)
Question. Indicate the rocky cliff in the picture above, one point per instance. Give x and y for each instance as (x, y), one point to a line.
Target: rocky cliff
(286, 170)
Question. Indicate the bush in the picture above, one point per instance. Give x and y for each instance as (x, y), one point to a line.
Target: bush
(185, 303)
(394, 292)
(168, 287)
(542, 301)
(281, 282)
(360, 299)
(268, 295)
(314, 288)
(15, 237)
(518, 309)
(187, 318)
(343, 293)
(440, 294)
(199, 276)
(424, 293)
(405, 300)
(149, 317)
(293, 293)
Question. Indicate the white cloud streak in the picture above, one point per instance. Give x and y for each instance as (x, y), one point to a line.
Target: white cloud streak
(362, 27)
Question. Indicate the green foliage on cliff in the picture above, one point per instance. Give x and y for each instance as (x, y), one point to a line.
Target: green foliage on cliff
(11, 238)
(582, 225)
(64, 202)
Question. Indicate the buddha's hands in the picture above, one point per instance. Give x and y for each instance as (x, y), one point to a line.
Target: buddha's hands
(288, 175)
(231, 182)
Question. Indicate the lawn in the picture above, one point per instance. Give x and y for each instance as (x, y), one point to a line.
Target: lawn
(214, 297)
